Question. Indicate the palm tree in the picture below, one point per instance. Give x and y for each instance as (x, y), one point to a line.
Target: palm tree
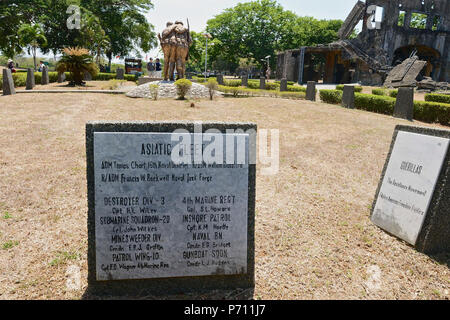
(32, 36)
(100, 45)
(77, 61)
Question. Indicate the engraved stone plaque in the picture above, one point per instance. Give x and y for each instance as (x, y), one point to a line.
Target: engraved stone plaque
(409, 183)
(155, 219)
(170, 210)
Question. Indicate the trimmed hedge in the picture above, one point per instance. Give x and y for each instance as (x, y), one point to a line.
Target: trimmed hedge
(385, 92)
(425, 111)
(290, 83)
(232, 83)
(248, 92)
(368, 102)
(331, 96)
(341, 88)
(254, 84)
(292, 95)
(373, 103)
(296, 89)
(379, 92)
(432, 112)
(442, 98)
(393, 93)
(20, 78)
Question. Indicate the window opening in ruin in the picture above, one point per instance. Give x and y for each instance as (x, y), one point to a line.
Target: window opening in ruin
(418, 20)
(379, 14)
(376, 15)
(436, 23)
(401, 18)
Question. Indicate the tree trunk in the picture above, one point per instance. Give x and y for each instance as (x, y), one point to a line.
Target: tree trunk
(109, 60)
(34, 57)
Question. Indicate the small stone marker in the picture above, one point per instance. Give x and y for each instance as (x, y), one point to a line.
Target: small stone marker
(87, 76)
(413, 198)
(244, 82)
(156, 225)
(30, 79)
(220, 79)
(45, 78)
(283, 85)
(348, 97)
(311, 91)
(404, 106)
(120, 74)
(61, 77)
(262, 83)
(8, 83)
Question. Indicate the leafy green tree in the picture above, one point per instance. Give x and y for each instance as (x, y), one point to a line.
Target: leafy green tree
(125, 24)
(196, 52)
(418, 20)
(32, 36)
(13, 14)
(54, 20)
(260, 28)
(252, 30)
(121, 23)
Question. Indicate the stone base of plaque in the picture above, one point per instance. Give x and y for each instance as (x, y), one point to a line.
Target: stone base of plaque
(433, 236)
(168, 285)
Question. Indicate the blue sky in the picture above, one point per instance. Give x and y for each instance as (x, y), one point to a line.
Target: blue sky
(200, 11)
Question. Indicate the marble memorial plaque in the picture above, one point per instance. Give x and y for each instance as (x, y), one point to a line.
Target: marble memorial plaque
(408, 184)
(155, 218)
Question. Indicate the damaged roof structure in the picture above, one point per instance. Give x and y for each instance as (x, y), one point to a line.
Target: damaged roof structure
(392, 32)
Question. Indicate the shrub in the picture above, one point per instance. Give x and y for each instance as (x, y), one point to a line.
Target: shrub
(231, 83)
(236, 91)
(331, 96)
(442, 98)
(393, 93)
(199, 79)
(432, 112)
(296, 89)
(130, 77)
(253, 84)
(77, 61)
(272, 86)
(379, 92)
(373, 103)
(292, 95)
(105, 76)
(289, 83)
(154, 90)
(212, 85)
(20, 79)
(183, 87)
(341, 88)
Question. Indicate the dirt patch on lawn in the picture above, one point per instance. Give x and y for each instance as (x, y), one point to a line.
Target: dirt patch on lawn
(314, 239)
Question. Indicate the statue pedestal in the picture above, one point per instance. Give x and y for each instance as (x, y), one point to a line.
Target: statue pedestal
(144, 80)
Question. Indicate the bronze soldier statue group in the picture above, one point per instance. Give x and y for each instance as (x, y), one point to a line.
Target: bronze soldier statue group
(175, 42)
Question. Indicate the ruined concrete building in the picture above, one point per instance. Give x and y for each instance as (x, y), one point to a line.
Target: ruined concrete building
(392, 31)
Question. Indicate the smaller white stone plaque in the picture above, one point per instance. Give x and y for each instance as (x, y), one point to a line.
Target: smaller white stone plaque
(409, 183)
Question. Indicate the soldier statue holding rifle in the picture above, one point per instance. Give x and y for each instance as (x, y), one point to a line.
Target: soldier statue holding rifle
(175, 42)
